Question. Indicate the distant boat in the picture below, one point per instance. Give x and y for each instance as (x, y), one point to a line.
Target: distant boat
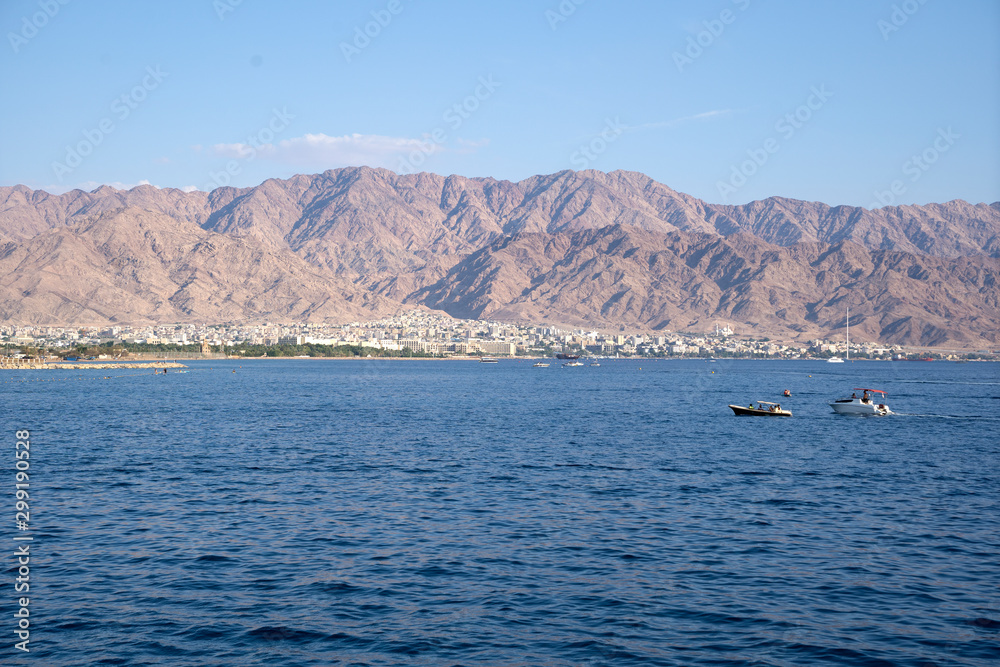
(863, 405)
(488, 360)
(835, 359)
(563, 355)
(573, 363)
(540, 364)
(594, 363)
(763, 409)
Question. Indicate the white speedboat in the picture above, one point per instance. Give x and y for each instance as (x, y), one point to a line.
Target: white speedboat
(573, 363)
(835, 359)
(871, 402)
(594, 363)
(488, 360)
(540, 364)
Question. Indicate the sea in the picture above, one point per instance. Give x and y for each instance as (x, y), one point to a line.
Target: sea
(435, 512)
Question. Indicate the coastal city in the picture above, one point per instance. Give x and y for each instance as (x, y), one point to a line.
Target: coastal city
(418, 333)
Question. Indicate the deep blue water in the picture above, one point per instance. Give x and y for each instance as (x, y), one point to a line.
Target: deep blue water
(310, 512)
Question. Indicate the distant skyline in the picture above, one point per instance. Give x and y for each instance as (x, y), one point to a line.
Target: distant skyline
(861, 103)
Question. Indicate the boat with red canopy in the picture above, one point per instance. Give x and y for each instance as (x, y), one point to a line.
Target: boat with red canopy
(870, 402)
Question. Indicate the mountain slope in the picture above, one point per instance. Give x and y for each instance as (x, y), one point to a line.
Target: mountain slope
(680, 281)
(573, 247)
(134, 266)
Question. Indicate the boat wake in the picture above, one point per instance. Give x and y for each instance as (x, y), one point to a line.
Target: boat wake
(966, 417)
(943, 382)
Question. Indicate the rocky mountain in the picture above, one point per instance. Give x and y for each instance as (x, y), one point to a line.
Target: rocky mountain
(584, 248)
(133, 265)
(688, 282)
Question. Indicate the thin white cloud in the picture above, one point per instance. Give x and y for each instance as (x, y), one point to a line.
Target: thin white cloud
(469, 146)
(312, 150)
(705, 115)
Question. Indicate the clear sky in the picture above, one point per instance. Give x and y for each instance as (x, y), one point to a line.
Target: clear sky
(844, 101)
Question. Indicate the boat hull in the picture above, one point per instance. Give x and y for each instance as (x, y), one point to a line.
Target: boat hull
(857, 407)
(742, 411)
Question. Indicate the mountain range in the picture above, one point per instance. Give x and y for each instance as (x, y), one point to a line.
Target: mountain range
(593, 249)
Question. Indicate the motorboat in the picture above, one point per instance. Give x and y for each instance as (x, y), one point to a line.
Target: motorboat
(871, 402)
(834, 360)
(540, 364)
(573, 363)
(594, 363)
(763, 409)
(488, 360)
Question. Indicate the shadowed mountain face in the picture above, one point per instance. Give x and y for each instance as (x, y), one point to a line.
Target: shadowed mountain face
(582, 248)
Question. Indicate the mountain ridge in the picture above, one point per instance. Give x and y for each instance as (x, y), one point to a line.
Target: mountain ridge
(587, 248)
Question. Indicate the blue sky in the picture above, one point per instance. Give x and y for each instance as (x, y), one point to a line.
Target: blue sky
(846, 102)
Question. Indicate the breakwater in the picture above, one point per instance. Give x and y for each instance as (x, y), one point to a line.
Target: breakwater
(97, 365)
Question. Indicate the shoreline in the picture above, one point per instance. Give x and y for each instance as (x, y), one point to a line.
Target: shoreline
(602, 359)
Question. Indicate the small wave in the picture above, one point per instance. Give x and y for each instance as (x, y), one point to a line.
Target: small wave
(276, 633)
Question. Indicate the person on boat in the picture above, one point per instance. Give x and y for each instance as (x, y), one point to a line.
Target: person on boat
(854, 394)
(751, 405)
(864, 397)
